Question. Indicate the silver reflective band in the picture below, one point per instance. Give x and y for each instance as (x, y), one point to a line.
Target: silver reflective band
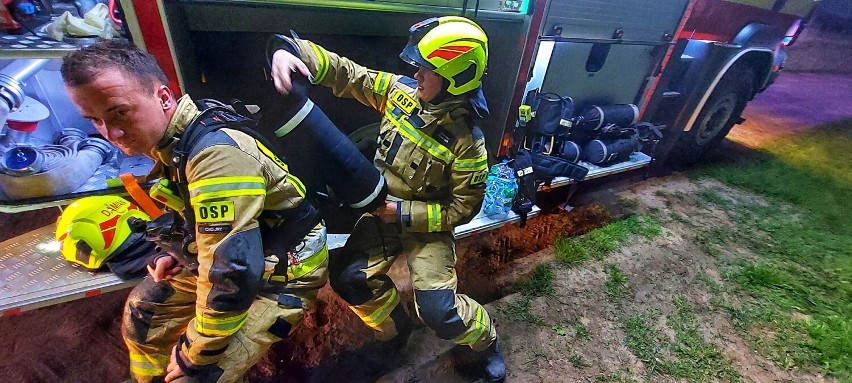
(372, 196)
(296, 120)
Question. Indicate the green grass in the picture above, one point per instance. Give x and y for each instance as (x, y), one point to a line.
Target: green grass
(599, 242)
(616, 283)
(539, 283)
(577, 360)
(706, 195)
(795, 299)
(687, 356)
(581, 332)
(615, 378)
(518, 311)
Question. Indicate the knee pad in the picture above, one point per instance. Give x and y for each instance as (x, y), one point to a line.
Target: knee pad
(138, 311)
(351, 283)
(437, 310)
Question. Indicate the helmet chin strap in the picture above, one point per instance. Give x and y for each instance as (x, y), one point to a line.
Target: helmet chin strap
(443, 94)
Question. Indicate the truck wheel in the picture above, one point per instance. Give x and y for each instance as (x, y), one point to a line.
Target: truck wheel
(718, 116)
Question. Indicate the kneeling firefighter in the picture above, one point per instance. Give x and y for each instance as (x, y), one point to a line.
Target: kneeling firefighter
(240, 250)
(232, 200)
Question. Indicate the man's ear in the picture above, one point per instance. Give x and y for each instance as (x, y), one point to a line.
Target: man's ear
(166, 97)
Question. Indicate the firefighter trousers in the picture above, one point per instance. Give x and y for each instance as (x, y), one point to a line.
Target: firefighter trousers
(359, 275)
(157, 314)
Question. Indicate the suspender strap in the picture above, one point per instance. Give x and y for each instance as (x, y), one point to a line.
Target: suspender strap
(139, 195)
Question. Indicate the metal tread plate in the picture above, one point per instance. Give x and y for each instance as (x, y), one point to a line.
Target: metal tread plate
(637, 160)
(34, 274)
(30, 46)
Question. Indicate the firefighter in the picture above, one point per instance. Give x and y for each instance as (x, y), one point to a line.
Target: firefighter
(209, 312)
(435, 165)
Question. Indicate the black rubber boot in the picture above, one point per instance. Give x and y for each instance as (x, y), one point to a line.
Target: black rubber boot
(404, 327)
(495, 367)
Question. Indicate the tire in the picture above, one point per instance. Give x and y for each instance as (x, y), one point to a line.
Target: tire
(720, 113)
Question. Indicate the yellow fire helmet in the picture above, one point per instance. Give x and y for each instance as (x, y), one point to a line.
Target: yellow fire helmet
(454, 47)
(92, 228)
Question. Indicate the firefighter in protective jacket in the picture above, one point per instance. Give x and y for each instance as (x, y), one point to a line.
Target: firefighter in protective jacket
(209, 312)
(435, 165)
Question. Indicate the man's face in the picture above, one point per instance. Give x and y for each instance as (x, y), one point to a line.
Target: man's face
(428, 84)
(131, 116)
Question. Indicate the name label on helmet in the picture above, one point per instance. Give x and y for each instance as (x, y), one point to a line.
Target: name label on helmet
(220, 211)
(403, 101)
(115, 207)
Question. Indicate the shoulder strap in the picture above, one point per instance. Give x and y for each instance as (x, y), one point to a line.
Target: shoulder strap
(209, 120)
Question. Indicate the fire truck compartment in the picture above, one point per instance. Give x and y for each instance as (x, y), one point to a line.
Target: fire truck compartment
(638, 20)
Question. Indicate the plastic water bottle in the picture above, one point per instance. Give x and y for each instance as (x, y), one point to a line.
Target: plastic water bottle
(500, 190)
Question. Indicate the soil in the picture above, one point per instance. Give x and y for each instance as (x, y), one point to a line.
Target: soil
(80, 341)
(657, 270)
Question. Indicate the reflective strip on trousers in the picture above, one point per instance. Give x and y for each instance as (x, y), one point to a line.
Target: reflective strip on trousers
(380, 314)
(219, 326)
(433, 215)
(148, 365)
(304, 267)
(225, 187)
(477, 329)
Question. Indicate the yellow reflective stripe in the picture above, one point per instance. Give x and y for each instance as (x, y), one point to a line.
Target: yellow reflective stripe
(297, 183)
(304, 267)
(471, 165)
(219, 326)
(421, 140)
(322, 66)
(380, 314)
(224, 187)
(380, 84)
(477, 328)
(433, 214)
(268, 153)
(147, 365)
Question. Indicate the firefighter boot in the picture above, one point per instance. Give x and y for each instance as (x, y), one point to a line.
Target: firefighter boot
(404, 327)
(495, 367)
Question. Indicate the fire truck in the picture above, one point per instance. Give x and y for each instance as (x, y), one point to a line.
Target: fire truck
(688, 67)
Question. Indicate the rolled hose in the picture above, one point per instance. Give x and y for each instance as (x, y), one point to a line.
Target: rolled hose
(50, 170)
(319, 153)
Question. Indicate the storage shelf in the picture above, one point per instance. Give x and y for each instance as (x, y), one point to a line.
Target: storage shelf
(28, 46)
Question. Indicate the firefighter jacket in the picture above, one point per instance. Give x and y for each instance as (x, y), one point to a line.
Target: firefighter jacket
(232, 179)
(431, 158)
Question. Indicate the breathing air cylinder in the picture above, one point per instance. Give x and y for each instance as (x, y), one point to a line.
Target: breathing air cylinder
(596, 117)
(319, 153)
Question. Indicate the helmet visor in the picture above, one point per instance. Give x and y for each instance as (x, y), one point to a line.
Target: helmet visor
(83, 253)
